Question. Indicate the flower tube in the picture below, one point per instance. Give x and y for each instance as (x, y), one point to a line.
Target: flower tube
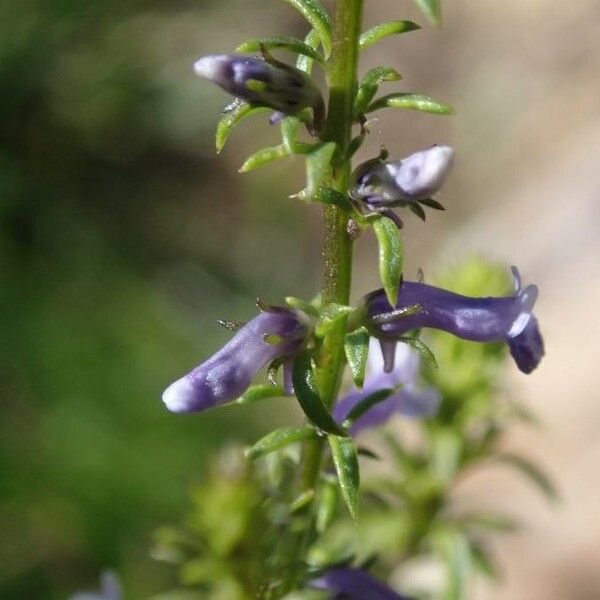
(354, 584)
(272, 84)
(509, 319)
(273, 334)
(410, 400)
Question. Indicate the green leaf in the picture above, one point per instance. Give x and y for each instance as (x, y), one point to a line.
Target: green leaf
(453, 547)
(264, 156)
(302, 500)
(308, 396)
(327, 505)
(445, 454)
(289, 133)
(432, 10)
(287, 43)
(318, 18)
(280, 438)
(328, 195)
(370, 84)
(259, 392)
(366, 404)
(356, 348)
(422, 348)
(531, 471)
(318, 168)
(345, 459)
(391, 256)
(302, 305)
(330, 315)
(230, 117)
(379, 32)
(482, 561)
(304, 63)
(412, 101)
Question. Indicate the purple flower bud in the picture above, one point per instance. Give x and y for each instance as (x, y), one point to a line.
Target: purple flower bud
(261, 83)
(411, 400)
(354, 584)
(274, 333)
(508, 319)
(111, 589)
(416, 177)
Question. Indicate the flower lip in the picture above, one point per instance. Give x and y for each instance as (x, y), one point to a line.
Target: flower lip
(274, 333)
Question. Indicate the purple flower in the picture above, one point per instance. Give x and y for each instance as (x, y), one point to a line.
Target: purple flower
(111, 589)
(261, 83)
(415, 178)
(354, 584)
(273, 334)
(508, 319)
(411, 399)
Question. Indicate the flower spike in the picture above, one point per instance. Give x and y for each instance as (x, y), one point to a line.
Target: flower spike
(273, 335)
(491, 319)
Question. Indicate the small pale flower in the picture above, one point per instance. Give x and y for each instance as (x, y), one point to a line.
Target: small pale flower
(276, 333)
(411, 399)
(509, 319)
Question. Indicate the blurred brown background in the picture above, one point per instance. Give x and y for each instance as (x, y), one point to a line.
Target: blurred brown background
(124, 238)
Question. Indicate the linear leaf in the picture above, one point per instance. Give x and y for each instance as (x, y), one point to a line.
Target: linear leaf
(328, 195)
(327, 505)
(289, 133)
(318, 168)
(280, 438)
(379, 32)
(531, 471)
(345, 459)
(423, 349)
(366, 404)
(356, 348)
(330, 315)
(453, 547)
(308, 396)
(259, 392)
(318, 18)
(391, 256)
(432, 10)
(264, 156)
(304, 63)
(370, 84)
(287, 43)
(420, 102)
(302, 305)
(232, 115)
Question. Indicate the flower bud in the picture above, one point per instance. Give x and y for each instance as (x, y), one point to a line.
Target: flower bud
(416, 177)
(275, 333)
(509, 319)
(261, 83)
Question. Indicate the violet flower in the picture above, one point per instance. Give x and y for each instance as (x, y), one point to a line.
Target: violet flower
(272, 84)
(410, 400)
(111, 589)
(348, 583)
(509, 319)
(415, 178)
(276, 333)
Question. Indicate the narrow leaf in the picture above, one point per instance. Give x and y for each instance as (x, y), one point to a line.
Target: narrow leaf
(287, 43)
(379, 32)
(318, 18)
(259, 392)
(366, 404)
(454, 549)
(289, 133)
(318, 168)
(330, 196)
(302, 500)
(483, 562)
(264, 156)
(232, 115)
(432, 204)
(308, 396)
(391, 256)
(356, 348)
(423, 349)
(302, 305)
(327, 505)
(432, 10)
(370, 84)
(280, 438)
(330, 315)
(531, 472)
(345, 459)
(412, 101)
(304, 63)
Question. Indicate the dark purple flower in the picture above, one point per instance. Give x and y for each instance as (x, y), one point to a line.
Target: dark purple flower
(417, 177)
(508, 319)
(354, 584)
(261, 83)
(273, 334)
(111, 589)
(410, 400)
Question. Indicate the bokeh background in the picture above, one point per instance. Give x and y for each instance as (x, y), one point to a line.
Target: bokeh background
(123, 238)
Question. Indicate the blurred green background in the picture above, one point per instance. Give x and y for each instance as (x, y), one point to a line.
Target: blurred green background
(123, 238)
